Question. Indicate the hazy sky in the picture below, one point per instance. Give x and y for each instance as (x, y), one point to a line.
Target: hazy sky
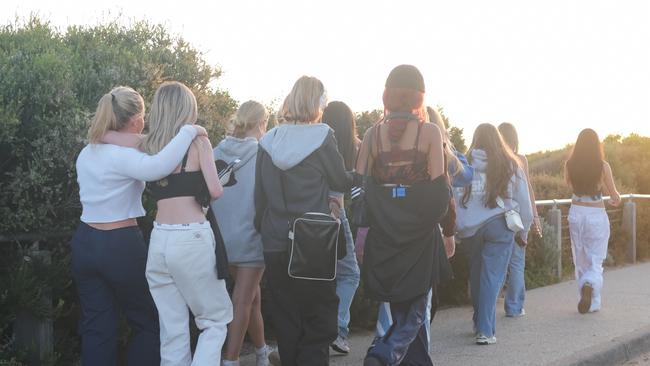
(551, 67)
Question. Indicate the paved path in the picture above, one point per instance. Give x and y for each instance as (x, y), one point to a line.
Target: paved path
(551, 333)
(642, 360)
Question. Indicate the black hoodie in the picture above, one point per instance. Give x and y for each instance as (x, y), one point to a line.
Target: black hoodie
(303, 161)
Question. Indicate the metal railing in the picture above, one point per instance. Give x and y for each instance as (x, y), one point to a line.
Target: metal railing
(553, 217)
(567, 201)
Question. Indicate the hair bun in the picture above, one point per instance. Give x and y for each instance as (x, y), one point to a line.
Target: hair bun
(407, 77)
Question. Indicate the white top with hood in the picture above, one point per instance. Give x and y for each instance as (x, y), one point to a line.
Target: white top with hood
(474, 214)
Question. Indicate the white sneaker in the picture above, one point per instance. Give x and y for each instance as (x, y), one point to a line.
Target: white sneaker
(485, 340)
(341, 345)
(263, 355)
(523, 312)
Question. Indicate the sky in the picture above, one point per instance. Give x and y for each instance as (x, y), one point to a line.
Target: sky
(550, 67)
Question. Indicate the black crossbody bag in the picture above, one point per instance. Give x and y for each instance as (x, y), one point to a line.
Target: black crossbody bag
(313, 244)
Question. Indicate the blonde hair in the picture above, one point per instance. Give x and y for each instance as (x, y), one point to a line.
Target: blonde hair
(305, 102)
(248, 116)
(449, 150)
(173, 106)
(114, 111)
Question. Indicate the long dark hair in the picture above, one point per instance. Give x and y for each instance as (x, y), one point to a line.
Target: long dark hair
(341, 119)
(585, 164)
(501, 163)
(509, 134)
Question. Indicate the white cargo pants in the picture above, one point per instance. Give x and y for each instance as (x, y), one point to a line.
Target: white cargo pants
(589, 229)
(181, 271)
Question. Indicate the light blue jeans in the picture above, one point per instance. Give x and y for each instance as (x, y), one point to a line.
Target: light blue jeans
(491, 248)
(516, 292)
(347, 279)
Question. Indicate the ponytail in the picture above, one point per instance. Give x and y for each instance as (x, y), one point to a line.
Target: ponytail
(114, 111)
(249, 115)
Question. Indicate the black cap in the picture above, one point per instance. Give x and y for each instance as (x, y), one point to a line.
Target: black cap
(405, 76)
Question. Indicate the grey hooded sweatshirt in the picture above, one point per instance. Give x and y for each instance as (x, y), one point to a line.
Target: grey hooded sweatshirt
(475, 213)
(297, 165)
(235, 209)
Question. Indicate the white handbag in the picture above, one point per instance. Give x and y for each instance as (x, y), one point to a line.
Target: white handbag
(513, 220)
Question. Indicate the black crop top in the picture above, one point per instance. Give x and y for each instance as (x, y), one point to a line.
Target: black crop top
(182, 184)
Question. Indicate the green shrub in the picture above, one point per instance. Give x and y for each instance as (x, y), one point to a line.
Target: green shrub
(50, 82)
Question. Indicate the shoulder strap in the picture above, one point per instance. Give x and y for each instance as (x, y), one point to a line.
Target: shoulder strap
(380, 146)
(184, 163)
(500, 203)
(284, 197)
(417, 137)
(417, 143)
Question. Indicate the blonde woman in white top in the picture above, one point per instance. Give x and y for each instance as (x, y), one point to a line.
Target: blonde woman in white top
(108, 251)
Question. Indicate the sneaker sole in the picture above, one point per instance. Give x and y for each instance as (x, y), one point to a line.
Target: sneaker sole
(339, 350)
(485, 343)
(585, 298)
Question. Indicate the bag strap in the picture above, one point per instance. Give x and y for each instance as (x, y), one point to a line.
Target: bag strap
(500, 203)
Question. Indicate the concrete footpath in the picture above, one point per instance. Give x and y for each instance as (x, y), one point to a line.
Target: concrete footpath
(551, 333)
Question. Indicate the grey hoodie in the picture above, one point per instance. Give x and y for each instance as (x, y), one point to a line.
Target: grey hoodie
(235, 209)
(475, 214)
(300, 163)
(288, 145)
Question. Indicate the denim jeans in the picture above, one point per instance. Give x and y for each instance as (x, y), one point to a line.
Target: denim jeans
(491, 248)
(347, 279)
(385, 320)
(108, 267)
(516, 292)
(406, 339)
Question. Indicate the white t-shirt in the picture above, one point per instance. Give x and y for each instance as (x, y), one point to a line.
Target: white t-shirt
(111, 178)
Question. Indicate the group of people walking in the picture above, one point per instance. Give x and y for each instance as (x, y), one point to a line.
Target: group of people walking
(236, 219)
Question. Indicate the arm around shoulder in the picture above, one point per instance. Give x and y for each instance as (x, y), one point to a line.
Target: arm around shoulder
(153, 167)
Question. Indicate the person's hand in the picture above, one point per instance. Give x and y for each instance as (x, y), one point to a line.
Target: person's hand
(335, 209)
(520, 241)
(450, 246)
(200, 131)
(537, 226)
(615, 199)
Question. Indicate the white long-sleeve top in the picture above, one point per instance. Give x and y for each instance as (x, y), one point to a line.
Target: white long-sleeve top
(111, 178)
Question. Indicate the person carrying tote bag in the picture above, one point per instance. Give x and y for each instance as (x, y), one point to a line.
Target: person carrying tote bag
(299, 157)
(491, 209)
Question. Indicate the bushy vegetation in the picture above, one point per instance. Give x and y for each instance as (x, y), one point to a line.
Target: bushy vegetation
(50, 82)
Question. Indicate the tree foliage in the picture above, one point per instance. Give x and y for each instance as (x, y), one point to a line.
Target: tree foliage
(50, 83)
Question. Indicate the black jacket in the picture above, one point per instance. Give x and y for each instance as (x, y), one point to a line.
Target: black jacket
(304, 162)
(404, 255)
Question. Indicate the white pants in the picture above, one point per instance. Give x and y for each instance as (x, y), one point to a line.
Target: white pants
(589, 229)
(182, 273)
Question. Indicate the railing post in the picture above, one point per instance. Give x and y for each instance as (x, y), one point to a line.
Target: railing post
(554, 218)
(629, 226)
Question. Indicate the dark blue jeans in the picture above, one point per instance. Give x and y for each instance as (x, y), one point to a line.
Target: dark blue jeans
(406, 341)
(108, 267)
